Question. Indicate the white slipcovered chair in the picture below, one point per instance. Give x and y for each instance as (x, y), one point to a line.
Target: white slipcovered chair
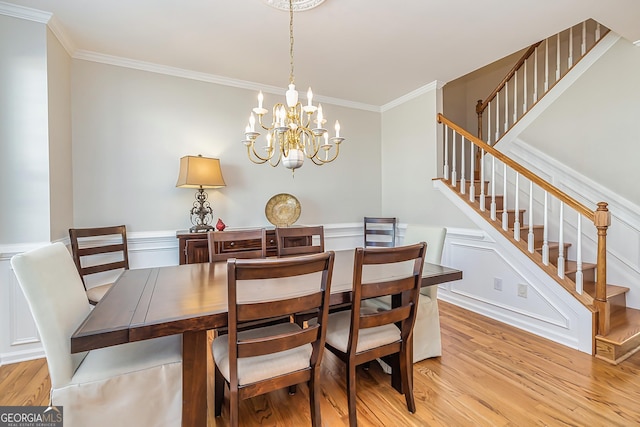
(426, 331)
(134, 384)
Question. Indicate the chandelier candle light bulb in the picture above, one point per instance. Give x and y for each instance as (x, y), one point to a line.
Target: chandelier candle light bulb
(291, 137)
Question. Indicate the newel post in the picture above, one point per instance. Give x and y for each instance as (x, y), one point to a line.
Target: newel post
(479, 111)
(602, 221)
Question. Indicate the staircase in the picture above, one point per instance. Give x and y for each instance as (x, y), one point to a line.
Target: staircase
(496, 193)
(619, 336)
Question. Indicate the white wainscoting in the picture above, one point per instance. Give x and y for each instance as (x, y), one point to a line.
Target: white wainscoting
(19, 338)
(623, 236)
(485, 255)
(545, 311)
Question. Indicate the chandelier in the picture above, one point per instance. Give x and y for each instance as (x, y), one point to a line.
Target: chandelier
(294, 133)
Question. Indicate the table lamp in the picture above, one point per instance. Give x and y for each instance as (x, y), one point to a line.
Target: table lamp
(200, 172)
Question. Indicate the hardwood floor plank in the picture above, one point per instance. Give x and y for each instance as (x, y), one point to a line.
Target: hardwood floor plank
(489, 374)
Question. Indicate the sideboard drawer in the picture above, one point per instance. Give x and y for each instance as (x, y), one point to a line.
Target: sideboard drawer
(194, 247)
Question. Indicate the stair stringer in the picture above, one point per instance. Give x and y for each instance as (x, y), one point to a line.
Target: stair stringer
(549, 311)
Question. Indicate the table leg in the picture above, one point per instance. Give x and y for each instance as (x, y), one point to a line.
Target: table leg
(194, 379)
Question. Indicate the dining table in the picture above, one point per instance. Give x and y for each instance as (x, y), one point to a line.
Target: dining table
(191, 299)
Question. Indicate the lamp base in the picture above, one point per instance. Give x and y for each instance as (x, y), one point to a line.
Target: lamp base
(200, 228)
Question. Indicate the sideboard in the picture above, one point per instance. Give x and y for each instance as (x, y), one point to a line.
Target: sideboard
(194, 247)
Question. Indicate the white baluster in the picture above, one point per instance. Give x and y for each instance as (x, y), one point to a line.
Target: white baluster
(446, 152)
(454, 159)
(497, 98)
(570, 59)
(597, 31)
(505, 215)
(463, 183)
(530, 236)
(515, 97)
(489, 125)
(583, 46)
(545, 230)
(535, 76)
(525, 107)
(516, 222)
(561, 242)
(579, 275)
(493, 188)
(506, 106)
(546, 65)
(557, 57)
(482, 194)
(472, 174)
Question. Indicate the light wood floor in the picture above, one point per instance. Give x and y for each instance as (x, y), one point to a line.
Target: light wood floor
(489, 375)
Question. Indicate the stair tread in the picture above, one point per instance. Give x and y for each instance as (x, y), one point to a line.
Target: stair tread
(625, 326)
(612, 290)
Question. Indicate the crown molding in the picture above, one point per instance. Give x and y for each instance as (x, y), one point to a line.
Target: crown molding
(434, 85)
(22, 12)
(58, 30)
(205, 77)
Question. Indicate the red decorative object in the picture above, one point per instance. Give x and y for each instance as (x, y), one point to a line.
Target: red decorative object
(220, 225)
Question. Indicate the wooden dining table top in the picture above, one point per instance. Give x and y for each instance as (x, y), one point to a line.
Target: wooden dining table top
(153, 302)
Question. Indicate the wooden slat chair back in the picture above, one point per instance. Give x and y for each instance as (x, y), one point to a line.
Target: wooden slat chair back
(99, 250)
(379, 232)
(244, 359)
(360, 335)
(237, 244)
(299, 240)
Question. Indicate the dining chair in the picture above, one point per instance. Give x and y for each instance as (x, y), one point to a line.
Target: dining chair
(100, 255)
(426, 332)
(134, 384)
(260, 360)
(237, 244)
(240, 244)
(379, 232)
(300, 240)
(360, 335)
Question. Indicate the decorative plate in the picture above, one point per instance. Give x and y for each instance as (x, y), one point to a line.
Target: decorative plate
(282, 210)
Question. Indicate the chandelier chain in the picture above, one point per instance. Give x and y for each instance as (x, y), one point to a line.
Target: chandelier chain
(291, 79)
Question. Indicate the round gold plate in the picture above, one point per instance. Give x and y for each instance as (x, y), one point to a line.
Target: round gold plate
(282, 210)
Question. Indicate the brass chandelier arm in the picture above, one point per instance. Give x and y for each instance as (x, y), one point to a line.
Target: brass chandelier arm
(320, 161)
(251, 149)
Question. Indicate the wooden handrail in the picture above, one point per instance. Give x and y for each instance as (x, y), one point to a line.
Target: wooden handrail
(562, 196)
(481, 106)
(601, 218)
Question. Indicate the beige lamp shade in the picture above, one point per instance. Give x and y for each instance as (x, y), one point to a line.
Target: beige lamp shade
(200, 172)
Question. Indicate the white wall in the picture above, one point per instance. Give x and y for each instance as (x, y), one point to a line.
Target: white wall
(410, 150)
(594, 128)
(140, 123)
(60, 176)
(24, 144)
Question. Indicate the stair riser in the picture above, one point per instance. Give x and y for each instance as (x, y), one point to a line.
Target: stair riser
(477, 190)
(538, 234)
(512, 217)
(587, 274)
(616, 353)
(618, 303)
(487, 202)
(554, 253)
